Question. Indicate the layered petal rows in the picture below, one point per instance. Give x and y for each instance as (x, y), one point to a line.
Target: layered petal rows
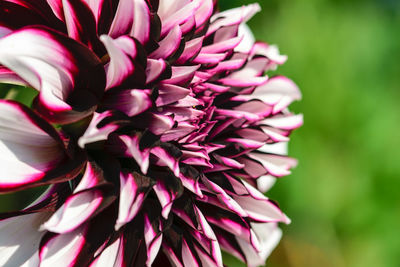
(155, 128)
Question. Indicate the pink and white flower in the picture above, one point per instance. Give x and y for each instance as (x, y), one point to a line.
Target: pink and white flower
(154, 126)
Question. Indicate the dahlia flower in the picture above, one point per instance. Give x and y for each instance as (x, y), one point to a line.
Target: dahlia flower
(154, 127)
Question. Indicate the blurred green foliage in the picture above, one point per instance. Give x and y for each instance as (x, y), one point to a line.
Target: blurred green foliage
(343, 197)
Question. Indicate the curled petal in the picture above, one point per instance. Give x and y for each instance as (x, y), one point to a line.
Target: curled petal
(50, 64)
(166, 159)
(134, 188)
(63, 248)
(124, 66)
(169, 93)
(8, 76)
(270, 51)
(94, 132)
(75, 211)
(167, 189)
(284, 122)
(204, 11)
(153, 239)
(276, 165)
(192, 48)
(142, 156)
(80, 206)
(248, 39)
(141, 25)
(169, 44)
(278, 91)
(32, 151)
(132, 17)
(80, 23)
(231, 17)
(131, 101)
(155, 70)
(269, 235)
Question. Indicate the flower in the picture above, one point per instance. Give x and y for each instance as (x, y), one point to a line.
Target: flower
(154, 126)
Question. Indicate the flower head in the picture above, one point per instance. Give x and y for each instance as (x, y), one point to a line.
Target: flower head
(154, 126)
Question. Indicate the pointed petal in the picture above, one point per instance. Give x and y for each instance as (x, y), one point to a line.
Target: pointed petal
(261, 210)
(284, 122)
(63, 248)
(169, 93)
(133, 149)
(178, 132)
(192, 49)
(112, 255)
(131, 101)
(133, 191)
(158, 124)
(93, 133)
(155, 69)
(167, 189)
(153, 239)
(166, 159)
(181, 75)
(168, 45)
(188, 256)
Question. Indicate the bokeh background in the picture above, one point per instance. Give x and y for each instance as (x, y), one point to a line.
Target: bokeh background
(343, 198)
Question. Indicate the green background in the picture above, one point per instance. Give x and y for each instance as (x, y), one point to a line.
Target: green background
(343, 197)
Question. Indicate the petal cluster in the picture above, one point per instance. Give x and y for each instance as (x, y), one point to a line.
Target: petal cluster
(155, 126)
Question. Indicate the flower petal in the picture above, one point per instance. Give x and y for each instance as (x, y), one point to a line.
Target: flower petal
(132, 17)
(112, 255)
(152, 237)
(269, 235)
(124, 66)
(81, 23)
(80, 206)
(50, 64)
(134, 188)
(20, 239)
(168, 45)
(30, 148)
(278, 91)
(63, 248)
(94, 133)
(142, 156)
(131, 101)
